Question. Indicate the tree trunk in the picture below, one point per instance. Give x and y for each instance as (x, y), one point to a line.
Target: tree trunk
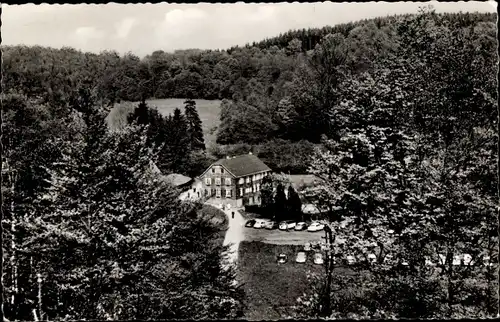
(450, 283)
(39, 281)
(13, 244)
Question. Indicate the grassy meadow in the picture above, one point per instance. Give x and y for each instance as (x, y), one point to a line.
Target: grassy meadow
(270, 287)
(207, 109)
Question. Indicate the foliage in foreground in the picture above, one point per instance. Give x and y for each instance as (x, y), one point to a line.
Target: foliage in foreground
(101, 237)
(418, 188)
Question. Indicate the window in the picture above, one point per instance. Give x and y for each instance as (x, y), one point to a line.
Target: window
(194, 189)
(248, 190)
(213, 170)
(248, 179)
(228, 181)
(254, 188)
(217, 181)
(228, 193)
(221, 170)
(217, 193)
(242, 181)
(241, 192)
(258, 186)
(208, 181)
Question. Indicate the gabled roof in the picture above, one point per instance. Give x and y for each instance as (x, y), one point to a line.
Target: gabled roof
(243, 165)
(177, 179)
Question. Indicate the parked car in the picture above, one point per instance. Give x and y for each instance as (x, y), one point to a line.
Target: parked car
(318, 259)
(350, 259)
(271, 225)
(307, 247)
(260, 223)
(467, 259)
(316, 226)
(457, 260)
(288, 224)
(487, 261)
(301, 257)
(250, 223)
(301, 226)
(282, 258)
(389, 259)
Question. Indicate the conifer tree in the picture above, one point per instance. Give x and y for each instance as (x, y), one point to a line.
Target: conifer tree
(195, 130)
(294, 204)
(280, 202)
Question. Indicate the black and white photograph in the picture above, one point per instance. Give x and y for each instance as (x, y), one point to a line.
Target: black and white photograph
(250, 161)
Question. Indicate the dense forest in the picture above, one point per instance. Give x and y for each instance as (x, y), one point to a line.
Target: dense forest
(397, 114)
(272, 90)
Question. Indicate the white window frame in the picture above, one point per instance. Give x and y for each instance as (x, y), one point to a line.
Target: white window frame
(228, 193)
(227, 181)
(217, 181)
(241, 192)
(217, 193)
(258, 186)
(248, 180)
(242, 181)
(208, 181)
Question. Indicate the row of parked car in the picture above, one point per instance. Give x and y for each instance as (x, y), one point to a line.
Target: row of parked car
(284, 225)
(301, 258)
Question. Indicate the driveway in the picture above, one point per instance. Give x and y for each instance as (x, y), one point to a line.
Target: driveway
(234, 234)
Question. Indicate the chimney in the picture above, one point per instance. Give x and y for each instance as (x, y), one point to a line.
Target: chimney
(250, 152)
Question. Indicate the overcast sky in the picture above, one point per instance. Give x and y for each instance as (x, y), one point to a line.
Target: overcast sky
(143, 28)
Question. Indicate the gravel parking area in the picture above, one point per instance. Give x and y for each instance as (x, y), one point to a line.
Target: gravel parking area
(280, 237)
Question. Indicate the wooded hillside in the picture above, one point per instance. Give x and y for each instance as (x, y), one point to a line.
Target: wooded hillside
(398, 115)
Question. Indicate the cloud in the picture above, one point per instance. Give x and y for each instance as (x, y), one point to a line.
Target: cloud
(179, 23)
(124, 27)
(264, 12)
(88, 33)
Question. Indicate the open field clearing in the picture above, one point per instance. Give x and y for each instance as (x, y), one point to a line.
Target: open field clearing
(207, 109)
